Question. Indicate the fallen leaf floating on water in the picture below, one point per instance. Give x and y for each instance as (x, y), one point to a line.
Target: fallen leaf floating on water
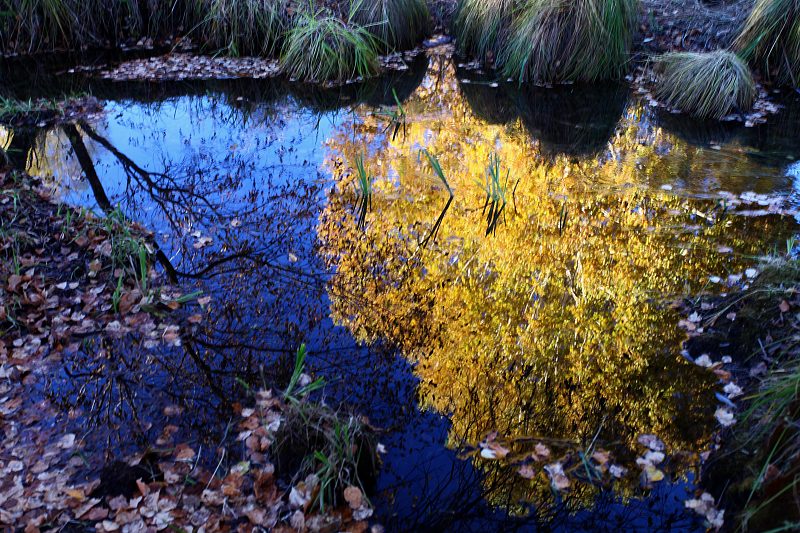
(706, 507)
(558, 479)
(67, 441)
(202, 242)
(654, 457)
(733, 279)
(617, 471)
(601, 456)
(173, 410)
(704, 361)
(652, 442)
(724, 417)
(652, 474)
(491, 449)
(527, 471)
(184, 453)
(541, 451)
(732, 390)
(494, 451)
(362, 513)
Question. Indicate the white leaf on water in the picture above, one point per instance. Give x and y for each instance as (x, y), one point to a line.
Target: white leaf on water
(617, 471)
(704, 361)
(725, 417)
(732, 390)
(652, 442)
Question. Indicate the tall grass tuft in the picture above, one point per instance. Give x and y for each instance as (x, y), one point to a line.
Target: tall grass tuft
(245, 27)
(337, 447)
(705, 85)
(28, 26)
(396, 24)
(321, 47)
(481, 26)
(570, 40)
(770, 40)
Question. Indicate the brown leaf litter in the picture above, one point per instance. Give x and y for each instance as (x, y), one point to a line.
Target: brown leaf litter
(58, 285)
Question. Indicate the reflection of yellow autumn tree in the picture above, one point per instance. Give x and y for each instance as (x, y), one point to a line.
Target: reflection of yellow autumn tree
(6, 136)
(558, 324)
(50, 157)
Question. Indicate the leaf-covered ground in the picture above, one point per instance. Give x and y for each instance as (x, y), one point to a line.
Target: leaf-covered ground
(754, 470)
(67, 275)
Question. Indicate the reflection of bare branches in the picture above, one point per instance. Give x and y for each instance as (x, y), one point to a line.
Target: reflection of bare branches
(85, 160)
(144, 177)
(100, 196)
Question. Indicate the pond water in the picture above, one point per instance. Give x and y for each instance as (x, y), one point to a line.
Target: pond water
(538, 306)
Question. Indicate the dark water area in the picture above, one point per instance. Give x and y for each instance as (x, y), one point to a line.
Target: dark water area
(548, 323)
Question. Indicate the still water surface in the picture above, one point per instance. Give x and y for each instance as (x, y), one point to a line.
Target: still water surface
(538, 306)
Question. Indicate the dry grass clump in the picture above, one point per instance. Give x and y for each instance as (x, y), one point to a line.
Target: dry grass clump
(338, 448)
(570, 40)
(397, 24)
(481, 26)
(245, 27)
(704, 84)
(322, 47)
(770, 40)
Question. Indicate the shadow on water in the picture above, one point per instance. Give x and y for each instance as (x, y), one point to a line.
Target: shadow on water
(47, 78)
(489, 100)
(773, 142)
(553, 327)
(575, 121)
(572, 120)
(374, 92)
(698, 132)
